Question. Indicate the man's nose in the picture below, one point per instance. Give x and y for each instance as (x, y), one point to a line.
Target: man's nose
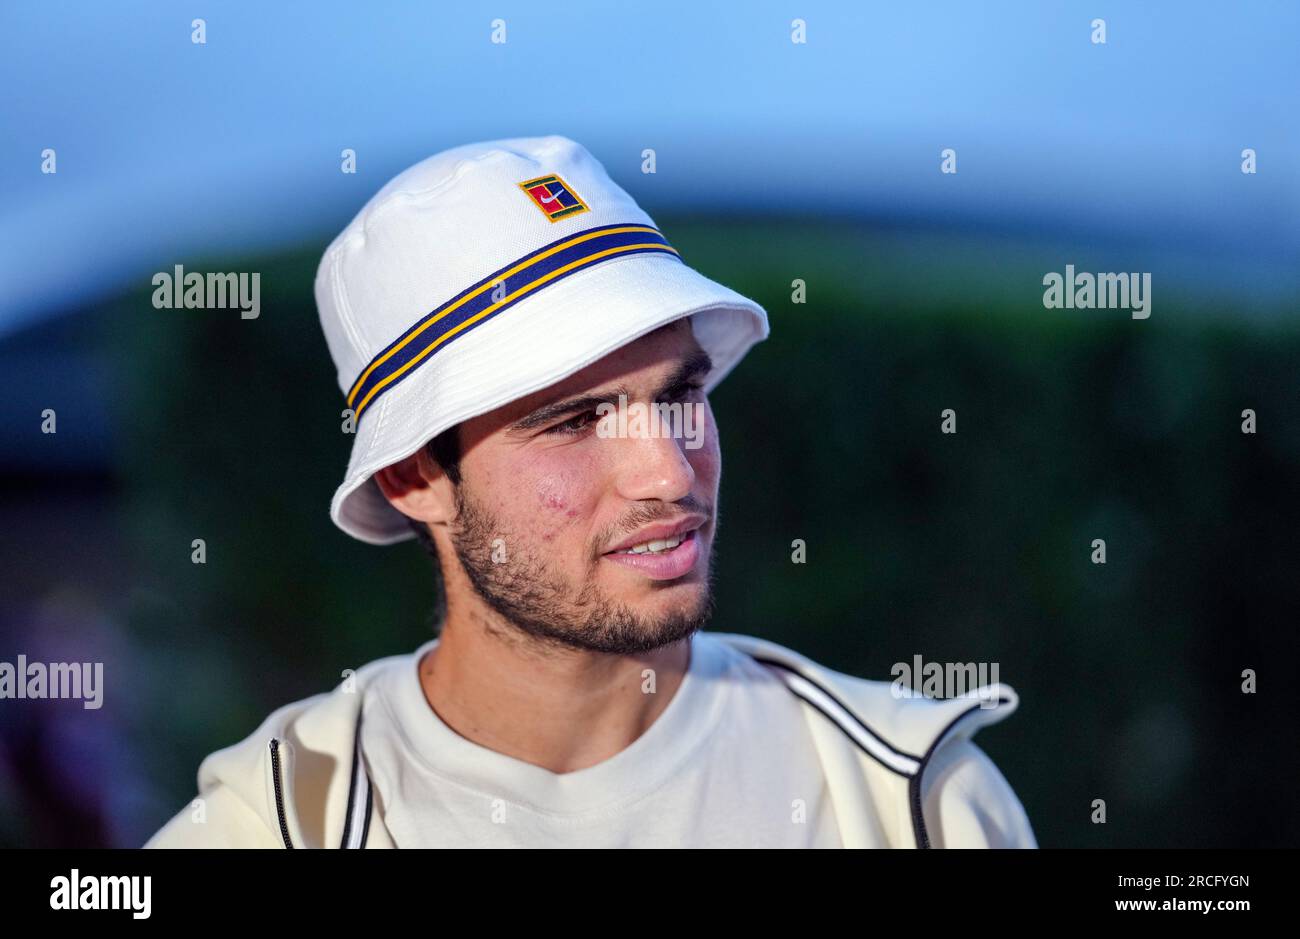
(654, 468)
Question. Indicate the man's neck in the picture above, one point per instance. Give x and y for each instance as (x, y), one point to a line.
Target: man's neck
(558, 708)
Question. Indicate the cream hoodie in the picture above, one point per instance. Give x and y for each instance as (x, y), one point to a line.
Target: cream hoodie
(298, 780)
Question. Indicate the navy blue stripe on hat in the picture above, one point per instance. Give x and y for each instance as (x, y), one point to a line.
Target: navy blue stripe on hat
(495, 293)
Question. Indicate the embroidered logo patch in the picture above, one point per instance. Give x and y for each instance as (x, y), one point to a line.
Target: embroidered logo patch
(554, 197)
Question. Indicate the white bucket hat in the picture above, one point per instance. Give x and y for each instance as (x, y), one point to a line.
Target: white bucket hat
(483, 274)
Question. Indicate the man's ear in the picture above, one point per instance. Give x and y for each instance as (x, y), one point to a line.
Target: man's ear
(418, 487)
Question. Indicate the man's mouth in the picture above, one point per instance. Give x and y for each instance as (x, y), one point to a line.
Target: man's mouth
(659, 537)
(658, 546)
(666, 557)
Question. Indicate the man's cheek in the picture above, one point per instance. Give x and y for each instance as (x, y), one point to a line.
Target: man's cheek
(557, 506)
(706, 445)
(706, 461)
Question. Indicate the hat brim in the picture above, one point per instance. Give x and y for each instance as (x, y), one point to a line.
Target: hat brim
(536, 343)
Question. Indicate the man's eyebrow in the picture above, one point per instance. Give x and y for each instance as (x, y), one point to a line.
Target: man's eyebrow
(692, 366)
(695, 365)
(550, 412)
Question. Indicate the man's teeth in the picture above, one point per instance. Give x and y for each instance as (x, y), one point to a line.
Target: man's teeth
(657, 546)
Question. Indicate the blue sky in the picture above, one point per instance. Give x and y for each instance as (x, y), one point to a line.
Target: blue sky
(169, 150)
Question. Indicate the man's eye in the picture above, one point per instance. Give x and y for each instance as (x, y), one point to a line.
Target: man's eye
(574, 425)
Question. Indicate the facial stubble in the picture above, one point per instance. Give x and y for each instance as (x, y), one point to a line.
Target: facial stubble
(527, 595)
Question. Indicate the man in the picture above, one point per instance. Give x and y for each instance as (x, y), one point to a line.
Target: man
(503, 317)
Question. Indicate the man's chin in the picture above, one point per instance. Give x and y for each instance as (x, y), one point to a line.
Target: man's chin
(683, 597)
(675, 616)
(654, 633)
(650, 617)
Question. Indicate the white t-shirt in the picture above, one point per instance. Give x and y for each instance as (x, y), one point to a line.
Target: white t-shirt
(728, 763)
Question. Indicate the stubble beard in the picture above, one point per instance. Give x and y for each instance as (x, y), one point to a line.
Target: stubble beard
(529, 598)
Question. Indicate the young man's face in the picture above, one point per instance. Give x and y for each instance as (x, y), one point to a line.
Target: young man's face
(553, 515)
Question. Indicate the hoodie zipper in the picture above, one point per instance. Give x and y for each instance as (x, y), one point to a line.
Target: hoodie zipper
(914, 784)
(279, 792)
(918, 819)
